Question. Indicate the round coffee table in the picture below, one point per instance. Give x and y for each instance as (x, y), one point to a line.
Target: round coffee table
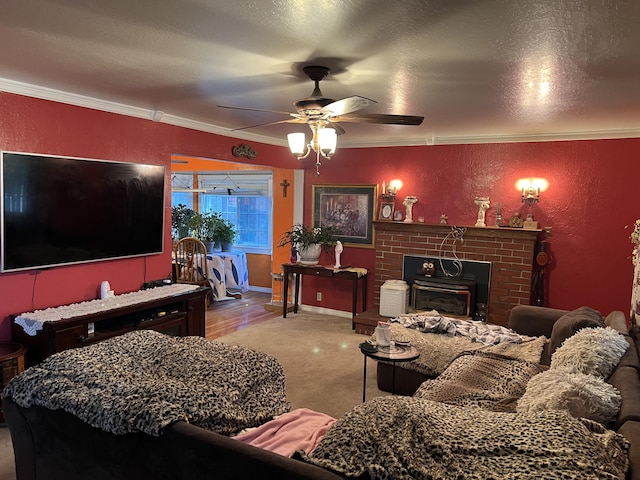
(393, 354)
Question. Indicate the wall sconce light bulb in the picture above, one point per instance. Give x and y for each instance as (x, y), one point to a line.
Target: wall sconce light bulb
(530, 189)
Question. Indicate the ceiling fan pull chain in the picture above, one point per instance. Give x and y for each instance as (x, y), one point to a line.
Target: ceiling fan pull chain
(318, 164)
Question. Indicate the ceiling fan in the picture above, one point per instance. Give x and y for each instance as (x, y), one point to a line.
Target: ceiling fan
(318, 108)
(324, 116)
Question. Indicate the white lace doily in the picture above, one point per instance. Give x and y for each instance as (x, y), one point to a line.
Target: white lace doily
(31, 322)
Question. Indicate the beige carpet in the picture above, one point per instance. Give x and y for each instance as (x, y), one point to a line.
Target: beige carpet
(322, 363)
(7, 465)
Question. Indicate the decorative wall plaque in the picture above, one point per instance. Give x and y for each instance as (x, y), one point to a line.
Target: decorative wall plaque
(244, 150)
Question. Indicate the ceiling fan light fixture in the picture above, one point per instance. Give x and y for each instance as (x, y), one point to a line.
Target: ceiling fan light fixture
(327, 140)
(297, 143)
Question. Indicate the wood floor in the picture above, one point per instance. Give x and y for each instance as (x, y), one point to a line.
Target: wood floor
(231, 315)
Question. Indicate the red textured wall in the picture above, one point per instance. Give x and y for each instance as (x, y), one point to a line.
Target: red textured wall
(589, 201)
(39, 126)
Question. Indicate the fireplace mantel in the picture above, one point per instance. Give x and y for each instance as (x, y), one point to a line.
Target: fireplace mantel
(491, 232)
(510, 251)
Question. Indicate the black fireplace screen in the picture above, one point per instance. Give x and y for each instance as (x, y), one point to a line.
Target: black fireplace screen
(432, 289)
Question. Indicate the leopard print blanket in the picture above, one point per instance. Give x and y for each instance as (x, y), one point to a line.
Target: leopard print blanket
(411, 438)
(145, 380)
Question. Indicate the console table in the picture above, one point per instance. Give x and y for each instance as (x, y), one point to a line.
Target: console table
(298, 270)
(174, 309)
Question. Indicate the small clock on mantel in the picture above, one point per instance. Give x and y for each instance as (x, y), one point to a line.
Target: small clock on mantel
(386, 211)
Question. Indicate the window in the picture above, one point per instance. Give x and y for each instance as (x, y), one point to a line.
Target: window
(182, 190)
(244, 198)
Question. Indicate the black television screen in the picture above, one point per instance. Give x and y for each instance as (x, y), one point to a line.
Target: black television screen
(63, 210)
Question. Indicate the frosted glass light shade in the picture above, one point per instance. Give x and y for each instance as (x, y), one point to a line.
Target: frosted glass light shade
(297, 143)
(327, 139)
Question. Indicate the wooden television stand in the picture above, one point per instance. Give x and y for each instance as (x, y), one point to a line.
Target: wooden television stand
(178, 314)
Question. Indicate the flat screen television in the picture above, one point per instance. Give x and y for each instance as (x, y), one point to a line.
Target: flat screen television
(64, 210)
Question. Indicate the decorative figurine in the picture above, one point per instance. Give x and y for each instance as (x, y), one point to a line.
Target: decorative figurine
(294, 255)
(338, 251)
(516, 221)
(443, 219)
(530, 223)
(483, 205)
(428, 269)
(408, 202)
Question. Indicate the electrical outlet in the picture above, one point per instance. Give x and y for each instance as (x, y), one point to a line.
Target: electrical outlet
(319, 296)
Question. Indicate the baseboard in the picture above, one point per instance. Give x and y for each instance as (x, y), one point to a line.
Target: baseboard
(324, 311)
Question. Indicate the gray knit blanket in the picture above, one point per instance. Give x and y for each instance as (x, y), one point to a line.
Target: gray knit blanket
(437, 351)
(145, 380)
(476, 331)
(411, 438)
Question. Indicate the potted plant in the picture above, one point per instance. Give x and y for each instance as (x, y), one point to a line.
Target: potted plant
(309, 242)
(209, 230)
(196, 223)
(225, 233)
(181, 218)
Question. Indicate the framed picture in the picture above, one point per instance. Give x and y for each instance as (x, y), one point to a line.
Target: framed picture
(351, 208)
(386, 211)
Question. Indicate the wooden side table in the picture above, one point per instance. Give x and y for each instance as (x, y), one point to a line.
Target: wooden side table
(11, 364)
(297, 270)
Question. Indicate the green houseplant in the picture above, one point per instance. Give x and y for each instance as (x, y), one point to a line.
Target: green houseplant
(181, 220)
(225, 233)
(309, 241)
(216, 232)
(210, 226)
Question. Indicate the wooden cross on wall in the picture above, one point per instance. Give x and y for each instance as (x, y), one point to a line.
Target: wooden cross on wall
(284, 184)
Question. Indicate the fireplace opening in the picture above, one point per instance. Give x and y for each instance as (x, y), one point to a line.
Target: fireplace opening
(448, 297)
(435, 288)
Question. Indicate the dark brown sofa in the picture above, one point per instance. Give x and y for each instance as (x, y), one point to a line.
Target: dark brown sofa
(52, 444)
(55, 445)
(536, 321)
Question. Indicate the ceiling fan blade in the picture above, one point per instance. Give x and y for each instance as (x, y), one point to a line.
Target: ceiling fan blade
(336, 126)
(255, 109)
(347, 105)
(291, 120)
(380, 118)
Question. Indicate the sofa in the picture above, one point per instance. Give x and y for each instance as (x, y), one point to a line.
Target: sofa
(148, 405)
(539, 321)
(53, 444)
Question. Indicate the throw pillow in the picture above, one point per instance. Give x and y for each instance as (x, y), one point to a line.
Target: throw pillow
(569, 323)
(583, 396)
(594, 351)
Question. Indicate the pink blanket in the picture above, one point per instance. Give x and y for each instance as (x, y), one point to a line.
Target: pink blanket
(300, 429)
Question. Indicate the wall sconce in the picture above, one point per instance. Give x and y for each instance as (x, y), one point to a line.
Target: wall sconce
(531, 188)
(323, 142)
(389, 192)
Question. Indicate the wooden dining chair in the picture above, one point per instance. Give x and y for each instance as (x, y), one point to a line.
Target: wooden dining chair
(190, 263)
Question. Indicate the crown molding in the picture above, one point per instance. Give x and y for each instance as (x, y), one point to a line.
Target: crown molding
(45, 93)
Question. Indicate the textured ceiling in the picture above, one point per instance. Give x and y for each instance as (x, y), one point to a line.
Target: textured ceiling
(476, 70)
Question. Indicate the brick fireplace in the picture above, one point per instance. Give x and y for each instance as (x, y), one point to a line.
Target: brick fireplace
(510, 251)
